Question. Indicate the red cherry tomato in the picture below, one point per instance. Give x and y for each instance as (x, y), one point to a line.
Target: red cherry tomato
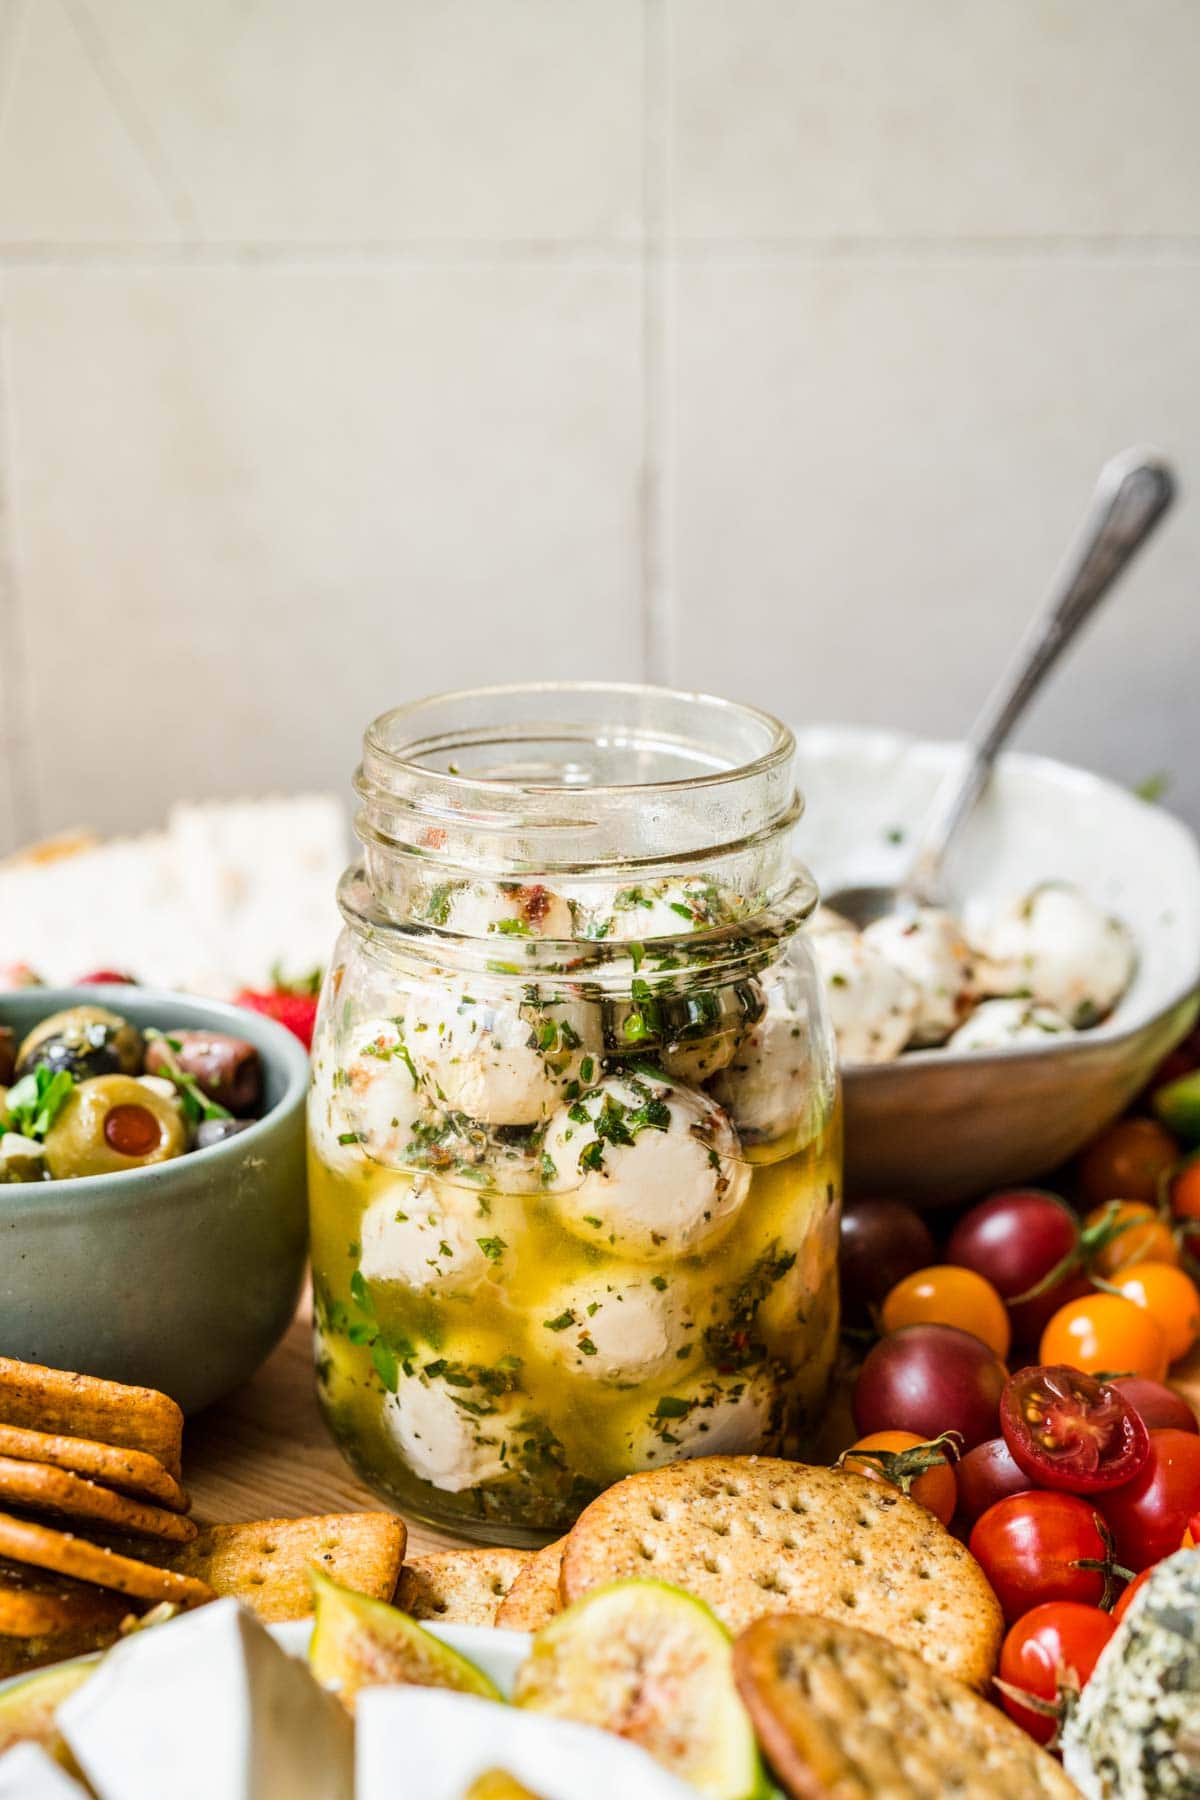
(1157, 1404)
(1037, 1547)
(1126, 1162)
(882, 1241)
(1067, 1430)
(1015, 1240)
(1050, 1653)
(929, 1379)
(987, 1474)
(1148, 1516)
(1135, 1587)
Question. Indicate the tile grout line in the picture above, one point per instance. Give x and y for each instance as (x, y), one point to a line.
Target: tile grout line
(657, 600)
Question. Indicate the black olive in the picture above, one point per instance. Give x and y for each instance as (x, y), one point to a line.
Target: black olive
(226, 1068)
(215, 1131)
(87, 1041)
(8, 1055)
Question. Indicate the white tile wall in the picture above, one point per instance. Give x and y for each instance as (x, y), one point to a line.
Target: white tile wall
(347, 352)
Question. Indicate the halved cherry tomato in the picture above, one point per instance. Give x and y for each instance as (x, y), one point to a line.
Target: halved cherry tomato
(1171, 1299)
(948, 1295)
(911, 1464)
(1139, 1234)
(1038, 1546)
(1105, 1331)
(1067, 1430)
(1148, 1516)
(1126, 1162)
(1050, 1653)
(1135, 1587)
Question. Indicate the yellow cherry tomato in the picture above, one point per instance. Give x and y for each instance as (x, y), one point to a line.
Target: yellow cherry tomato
(948, 1295)
(1146, 1237)
(936, 1488)
(1170, 1297)
(1105, 1332)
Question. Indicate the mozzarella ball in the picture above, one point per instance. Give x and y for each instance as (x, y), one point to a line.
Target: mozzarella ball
(425, 1235)
(441, 1439)
(655, 909)
(873, 1006)
(824, 920)
(379, 1094)
(497, 1060)
(507, 909)
(765, 1089)
(645, 1168)
(928, 946)
(1057, 947)
(998, 1023)
(622, 1326)
(717, 1415)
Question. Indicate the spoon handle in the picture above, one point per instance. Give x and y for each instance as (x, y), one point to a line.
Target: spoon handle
(1135, 489)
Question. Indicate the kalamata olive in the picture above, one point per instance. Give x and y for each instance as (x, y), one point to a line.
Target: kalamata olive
(1014, 1240)
(1159, 1407)
(113, 1122)
(86, 1041)
(215, 1131)
(226, 1068)
(987, 1474)
(882, 1242)
(930, 1379)
(8, 1056)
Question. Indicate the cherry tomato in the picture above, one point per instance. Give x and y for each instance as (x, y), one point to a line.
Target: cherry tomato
(1126, 1162)
(920, 1475)
(881, 1242)
(1135, 1587)
(1148, 1516)
(987, 1474)
(1143, 1236)
(1157, 1405)
(946, 1295)
(1171, 1299)
(1185, 1205)
(1038, 1546)
(1105, 1332)
(1014, 1240)
(1051, 1653)
(928, 1379)
(1070, 1431)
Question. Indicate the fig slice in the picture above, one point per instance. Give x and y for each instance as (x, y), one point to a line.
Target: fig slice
(28, 1707)
(654, 1665)
(361, 1643)
(497, 1784)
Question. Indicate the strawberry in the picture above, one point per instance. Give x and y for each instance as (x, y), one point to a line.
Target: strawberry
(105, 978)
(290, 1003)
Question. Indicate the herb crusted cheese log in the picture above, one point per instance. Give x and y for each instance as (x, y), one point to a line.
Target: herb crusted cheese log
(1136, 1732)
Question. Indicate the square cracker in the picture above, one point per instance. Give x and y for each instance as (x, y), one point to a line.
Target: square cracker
(460, 1587)
(107, 1412)
(41, 1488)
(129, 1471)
(533, 1597)
(265, 1564)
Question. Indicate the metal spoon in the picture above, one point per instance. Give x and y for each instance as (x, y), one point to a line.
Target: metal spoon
(1133, 492)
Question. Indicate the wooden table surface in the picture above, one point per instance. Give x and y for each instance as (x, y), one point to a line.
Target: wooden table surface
(265, 1453)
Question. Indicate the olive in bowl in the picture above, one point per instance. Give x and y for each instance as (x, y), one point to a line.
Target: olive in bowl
(111, 1123)
(85, 1041)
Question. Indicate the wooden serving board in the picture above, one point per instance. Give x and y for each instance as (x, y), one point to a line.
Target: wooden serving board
(265, 1453)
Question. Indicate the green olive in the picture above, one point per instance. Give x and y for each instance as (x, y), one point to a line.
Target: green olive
(86, 1040)
(113, 1122)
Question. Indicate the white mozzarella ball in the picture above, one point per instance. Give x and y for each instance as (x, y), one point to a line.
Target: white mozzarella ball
(718, 1415)
(872, 1004)
(442, 1440)
(766, 1087)
(508, 909)
(498, 1061)
(655, 909)
(624, 1325)
(998, 1023)
(693, 1060)
(331, 1132)
(824, 920)
(928, 946)
(1060, 949)
(425, 1235)
(645, 1168)
(380, 1095)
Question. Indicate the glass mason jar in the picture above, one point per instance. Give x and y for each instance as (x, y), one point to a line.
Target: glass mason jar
(574, 1123)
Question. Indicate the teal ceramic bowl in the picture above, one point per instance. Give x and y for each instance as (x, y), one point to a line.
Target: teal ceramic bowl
(182, 1276)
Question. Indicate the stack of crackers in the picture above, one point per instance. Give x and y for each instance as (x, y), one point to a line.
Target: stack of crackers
(94, 1525)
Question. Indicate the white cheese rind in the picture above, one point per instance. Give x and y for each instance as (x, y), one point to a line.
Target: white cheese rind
(27, 1773)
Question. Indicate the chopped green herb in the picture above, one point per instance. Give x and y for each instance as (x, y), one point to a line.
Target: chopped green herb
(493, 1247)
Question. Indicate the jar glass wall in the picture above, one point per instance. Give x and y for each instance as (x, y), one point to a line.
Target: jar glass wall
(574, 1128)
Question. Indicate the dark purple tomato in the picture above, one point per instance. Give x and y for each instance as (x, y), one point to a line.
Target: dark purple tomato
(1014, 1240)
(1159, 1408)
(930, 1379)
(882, 1242)
(987, 1474)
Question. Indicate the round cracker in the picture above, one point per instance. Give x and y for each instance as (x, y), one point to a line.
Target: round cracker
(460, 1587)
(129, 1471)
(46, 1489)
(753, 1535)
(533, 1597)
(843, 1715)
(23, 1541)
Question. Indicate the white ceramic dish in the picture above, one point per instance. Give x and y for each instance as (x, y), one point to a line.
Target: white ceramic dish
(938, 1125)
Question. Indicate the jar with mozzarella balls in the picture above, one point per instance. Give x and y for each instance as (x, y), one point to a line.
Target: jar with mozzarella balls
(574, 1126)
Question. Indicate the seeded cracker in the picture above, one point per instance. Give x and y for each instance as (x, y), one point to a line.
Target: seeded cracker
(461, 1587)
(842, 1715)
(44, 1489)
(35, 1603)
(533, 1597)
(105, 1412)
(129, 1471)
(755, 1535)
(63, 1553)
(265, 1564)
